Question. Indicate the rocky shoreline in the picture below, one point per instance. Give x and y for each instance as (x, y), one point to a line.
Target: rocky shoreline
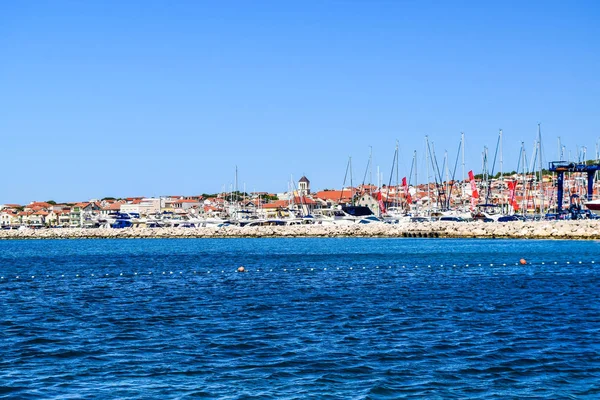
(581, 229)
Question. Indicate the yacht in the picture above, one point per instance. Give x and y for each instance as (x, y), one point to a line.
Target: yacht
(344, 215)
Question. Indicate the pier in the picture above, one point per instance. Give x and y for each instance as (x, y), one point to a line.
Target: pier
(559, 229)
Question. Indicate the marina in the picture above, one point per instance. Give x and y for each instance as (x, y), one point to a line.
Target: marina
(567, 191)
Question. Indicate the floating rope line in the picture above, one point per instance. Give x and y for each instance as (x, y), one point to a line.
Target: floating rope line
(21, 277)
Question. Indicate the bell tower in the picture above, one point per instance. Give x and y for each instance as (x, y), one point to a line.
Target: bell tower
(303, 186)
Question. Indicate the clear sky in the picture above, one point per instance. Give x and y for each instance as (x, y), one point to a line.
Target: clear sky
(150, 98)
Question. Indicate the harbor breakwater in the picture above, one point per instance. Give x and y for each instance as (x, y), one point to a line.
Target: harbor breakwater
(579, 229)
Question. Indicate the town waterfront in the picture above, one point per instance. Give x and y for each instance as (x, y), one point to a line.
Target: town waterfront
(333, 318)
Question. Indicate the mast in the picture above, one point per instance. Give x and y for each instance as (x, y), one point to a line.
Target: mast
(560, 153)
(348, 168)
(501, 160)
(351, 183)
(523, 177)
(416, 180)
(396, 192)
(427, 177)
(236, 184)
(371, 170)
(533, 170)
(447, 188)
(502, 173)
(541, 167)
(394, 167)
(484, 171)
(462, 145)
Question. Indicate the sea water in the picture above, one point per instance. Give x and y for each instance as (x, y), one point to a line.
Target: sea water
(310, 318)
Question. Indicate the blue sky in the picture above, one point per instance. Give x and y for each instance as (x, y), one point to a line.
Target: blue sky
(161, 98)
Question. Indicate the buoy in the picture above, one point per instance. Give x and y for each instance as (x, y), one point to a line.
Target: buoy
(522, 261)
(241, 269)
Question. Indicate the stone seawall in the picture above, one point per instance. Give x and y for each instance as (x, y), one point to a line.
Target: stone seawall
(584, 229)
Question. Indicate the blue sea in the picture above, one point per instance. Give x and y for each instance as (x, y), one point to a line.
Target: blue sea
(342, 318)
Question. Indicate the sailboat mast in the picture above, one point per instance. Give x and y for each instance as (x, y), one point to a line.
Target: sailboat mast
(485, 172)
(371, 170)
(448, 187)
(351, 183)
(236, 184)
(541, 168)
(501, 159)
(427, 177)
(396, 195)
(523, 177)
(560, 154)
(462, 150)
(416, 179)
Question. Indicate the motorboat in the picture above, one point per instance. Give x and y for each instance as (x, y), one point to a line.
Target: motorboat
(593, 206)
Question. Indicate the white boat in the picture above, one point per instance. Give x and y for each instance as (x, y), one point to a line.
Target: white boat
(593, 206)
(344, 215)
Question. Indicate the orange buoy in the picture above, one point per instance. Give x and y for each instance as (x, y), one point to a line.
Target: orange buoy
(522, 261)
(241, 269)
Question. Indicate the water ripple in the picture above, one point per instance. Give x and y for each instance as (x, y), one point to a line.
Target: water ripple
(395, 320)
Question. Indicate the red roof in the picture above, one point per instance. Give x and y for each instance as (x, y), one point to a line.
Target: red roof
(335, 195)
(39, 204)
(304, 200)
(276, 204)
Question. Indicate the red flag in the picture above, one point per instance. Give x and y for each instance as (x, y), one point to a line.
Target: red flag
(406, 192)
(474, 194)
(511, 194)
(380, 200)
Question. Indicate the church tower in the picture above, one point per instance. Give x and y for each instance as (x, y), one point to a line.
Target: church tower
(303, 186)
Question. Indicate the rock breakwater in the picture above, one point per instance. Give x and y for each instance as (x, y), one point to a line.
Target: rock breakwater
(581, 229)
